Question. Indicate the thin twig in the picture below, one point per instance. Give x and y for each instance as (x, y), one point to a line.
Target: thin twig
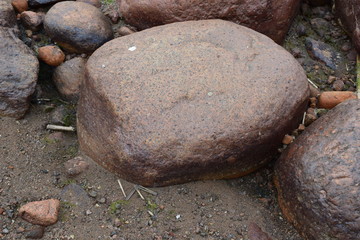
(147, 190)
(60, 128)
(130, 194)
(137, 190)
(303, 120)
(358, 75)
(121, 187)
(312, 83)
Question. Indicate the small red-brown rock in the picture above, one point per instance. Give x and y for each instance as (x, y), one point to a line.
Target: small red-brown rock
(20, 5)
(287, 139)
(338, 85)
(1, 211)
(42, 213)
(123, 31)
(51, 55)
(314, 92)
(330, 99)
(76, 166)
(31, 20)
(95, 3)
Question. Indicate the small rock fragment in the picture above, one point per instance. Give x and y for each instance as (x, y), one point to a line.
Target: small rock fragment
(330, 99)
(123, 31)
(322, 52)
(313, 102)
(20, 5)
(287, 139)
(338, 85)
(76, 166)
(51, 55)
(31, 20)
(256, 233)
(58, 115)
(1, 211)
(36, 233)
(43, 213)
(309, 118)
(314, 92)
(331, 79)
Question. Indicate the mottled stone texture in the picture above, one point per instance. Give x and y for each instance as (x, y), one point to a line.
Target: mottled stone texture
(7, 14)
(77, 27)
(187, 101)
(18, 74)
(349, 13)
(318, 176)
(272, 18)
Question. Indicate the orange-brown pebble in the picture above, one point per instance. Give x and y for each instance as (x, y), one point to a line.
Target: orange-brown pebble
(51, 55)
(287, 139)
(123, 31)
(20, 5)
(43, 213)
(330, 99)
(301, 127)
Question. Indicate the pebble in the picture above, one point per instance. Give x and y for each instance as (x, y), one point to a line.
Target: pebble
(31, 20)
(322, 52)
(51, 55)
(346, 47)
(20, 5)
(36, 233)
(330, 99)
(20, 229)
(5, 231)
(43, 213)
(76, 166)
(88, 212)
(309, 118)
(102, 200)
(287, 139)
(93, 194)
(123, 31)
(331, 79)
(301, 30)
(338, 85)
(1, 211)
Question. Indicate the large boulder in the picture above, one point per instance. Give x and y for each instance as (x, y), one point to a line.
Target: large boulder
(77, 27)
(349, 11)
(7, 14)
(186, 101)
(18, 74)
(272, 18)
(318, 176)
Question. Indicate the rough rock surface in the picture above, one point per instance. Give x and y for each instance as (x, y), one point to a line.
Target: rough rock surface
(187, 101)
(68, 78)
(42, 213)
(78, 27)
(18, 74)
(318, 178)
(31, 20)
(7, 14)
(349, 12)
(272, 18)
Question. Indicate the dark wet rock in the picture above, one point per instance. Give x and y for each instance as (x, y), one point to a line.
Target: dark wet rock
(38, 3)
(31, 20)
(77, 27)
(317, 177)
(256, 233)
(185, 101)
(322, 52)
(68, 78)
(272, 18)
(18, 74)
(76, 198)
(7, 14)
(321, 26)
(36, 232)
(349, 11)
(76, 166)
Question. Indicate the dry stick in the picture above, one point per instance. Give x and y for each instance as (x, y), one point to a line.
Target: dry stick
(121, 187)
(147, 190)
(137, 190)
(312, 83)
(130, 194)
(60, 128)
(303, 120)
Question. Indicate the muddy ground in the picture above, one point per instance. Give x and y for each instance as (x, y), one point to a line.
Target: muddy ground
(92, 205)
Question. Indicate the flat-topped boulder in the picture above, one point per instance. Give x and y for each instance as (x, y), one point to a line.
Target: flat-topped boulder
(18, 74)
(188, 101)
(272, 18)
(318, 176)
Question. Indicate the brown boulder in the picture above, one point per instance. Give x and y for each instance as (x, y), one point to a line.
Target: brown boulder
(18, 74)
(318, 176)
(68, 78)
(186, 101)
(51, 55)
(42, 213)
(272, 18)
(348, 12)
(77, 27)
(20, 5)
